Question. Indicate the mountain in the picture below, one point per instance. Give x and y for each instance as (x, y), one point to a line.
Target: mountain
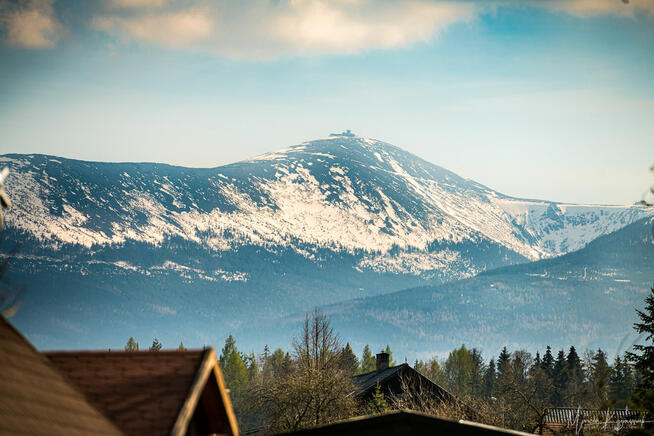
(112, 250)
(586, 298)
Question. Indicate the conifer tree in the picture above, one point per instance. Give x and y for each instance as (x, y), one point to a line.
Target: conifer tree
(490, 379)
(434, 372)
(547, 363)
(574, 378)
(559, 378)
(621, 384)
(132, 345)
(503, 366)
(156, 345)
(280, 363)
(388, 351)
(643, 359)
(349, 361)
(251, 364)
(599, 379)
(368, 361)
(377, 403)
(234, 369)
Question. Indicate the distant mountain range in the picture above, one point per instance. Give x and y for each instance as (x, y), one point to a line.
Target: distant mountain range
(585, 298)
(112, 250)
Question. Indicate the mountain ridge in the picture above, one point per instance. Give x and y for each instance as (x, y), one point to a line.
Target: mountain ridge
(313, 224)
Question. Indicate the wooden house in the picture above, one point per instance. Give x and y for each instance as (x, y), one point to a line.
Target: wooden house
(401, 382)
(110, 392)
(153, 392)
(36, 399)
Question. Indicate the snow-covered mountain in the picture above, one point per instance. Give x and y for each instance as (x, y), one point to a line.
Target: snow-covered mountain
(314, 223)
(341, 193)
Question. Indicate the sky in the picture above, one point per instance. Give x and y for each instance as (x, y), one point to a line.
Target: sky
(549, 99)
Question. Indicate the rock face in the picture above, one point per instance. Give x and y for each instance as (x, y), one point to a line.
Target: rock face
(314, 223)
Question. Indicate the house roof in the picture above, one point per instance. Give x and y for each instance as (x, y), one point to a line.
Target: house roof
(145, 392)
(367, 382)
(36, 399)
(403, 423)
(571, 415)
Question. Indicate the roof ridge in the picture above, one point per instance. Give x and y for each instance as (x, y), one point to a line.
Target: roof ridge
(48, 363)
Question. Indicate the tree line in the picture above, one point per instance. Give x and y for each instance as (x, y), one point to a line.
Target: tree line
(312, 384)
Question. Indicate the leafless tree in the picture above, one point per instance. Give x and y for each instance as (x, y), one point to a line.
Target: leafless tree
(315, 390)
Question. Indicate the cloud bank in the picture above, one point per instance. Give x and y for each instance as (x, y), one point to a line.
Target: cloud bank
(31, 24)
(262, 30)
(276, 28)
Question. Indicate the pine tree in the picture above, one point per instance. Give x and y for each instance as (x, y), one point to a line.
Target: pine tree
(368, 361)
(280, 363)
(559, 379)
(503, 366)
(599, 379)
(490, 379)
(234, 369)
(463, 371)
(156, 345)
(377, 403)
(388, 351)
(621, 384)
(434, 372)
(132, 345)
(548, 362)
(478, 370)
(644, 359)
(349, 361)
(574, 378)
(251, 364)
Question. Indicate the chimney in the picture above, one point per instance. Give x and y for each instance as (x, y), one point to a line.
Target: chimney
(382, 361)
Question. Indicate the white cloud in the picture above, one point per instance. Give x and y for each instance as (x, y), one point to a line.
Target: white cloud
(32, 25)
(348, 27)
(271, 29)
(263, 30)
(183, 29)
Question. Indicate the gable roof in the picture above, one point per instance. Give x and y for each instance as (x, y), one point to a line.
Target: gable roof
(36, 399)
(155, 393)
(402, 423)
(368, 382)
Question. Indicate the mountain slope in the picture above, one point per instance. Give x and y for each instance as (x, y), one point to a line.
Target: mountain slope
(586, 298)
(342, 193)
(135, 244)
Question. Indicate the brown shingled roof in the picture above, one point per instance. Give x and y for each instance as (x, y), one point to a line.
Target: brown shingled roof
(154, 393)
(35, 399)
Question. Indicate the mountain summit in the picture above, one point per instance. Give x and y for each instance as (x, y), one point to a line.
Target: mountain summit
(342, 193)
(314, 223)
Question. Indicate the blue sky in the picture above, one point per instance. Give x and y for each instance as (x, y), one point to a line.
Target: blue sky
(549, 99)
